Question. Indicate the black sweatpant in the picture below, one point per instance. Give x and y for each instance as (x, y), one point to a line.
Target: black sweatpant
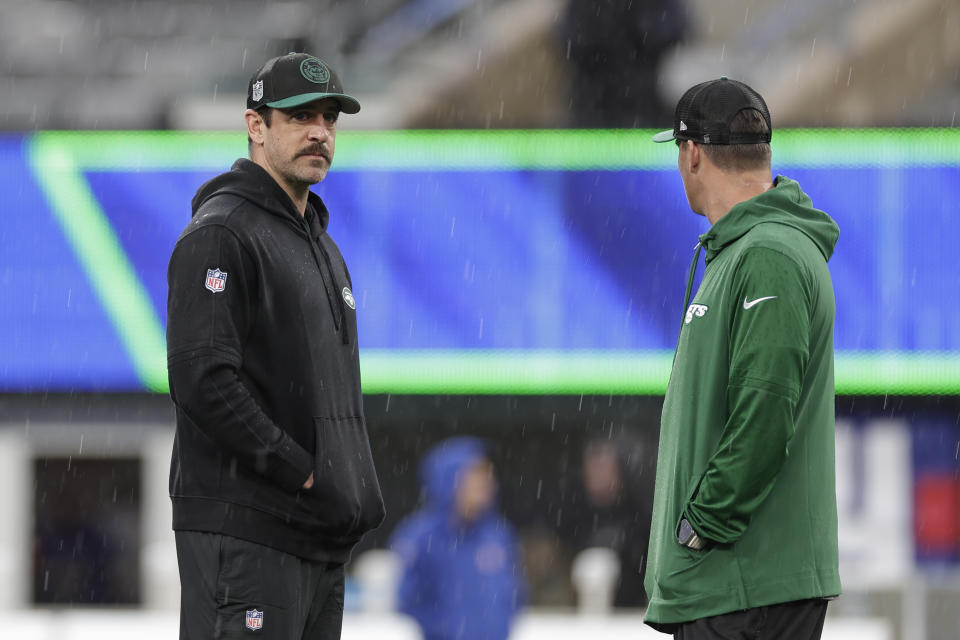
(799, 620)
(234, 589)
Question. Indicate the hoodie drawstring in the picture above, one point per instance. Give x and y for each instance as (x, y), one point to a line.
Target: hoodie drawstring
(338, 295)
(693, 272)
(326, 269)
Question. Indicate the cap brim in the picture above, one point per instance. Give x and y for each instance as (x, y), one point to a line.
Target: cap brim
(348, 104)
(664, 136)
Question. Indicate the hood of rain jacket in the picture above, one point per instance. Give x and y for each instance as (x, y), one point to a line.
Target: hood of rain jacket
(462, 580)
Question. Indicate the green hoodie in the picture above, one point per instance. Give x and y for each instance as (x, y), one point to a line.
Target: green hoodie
(746, 437)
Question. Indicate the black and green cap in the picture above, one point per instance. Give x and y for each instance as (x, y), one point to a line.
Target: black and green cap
(296, 79)
(705, 111)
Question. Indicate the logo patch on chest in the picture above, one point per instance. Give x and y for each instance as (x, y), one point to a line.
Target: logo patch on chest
(348, 298)
(254, 620)
(216, 280)
(695, 311)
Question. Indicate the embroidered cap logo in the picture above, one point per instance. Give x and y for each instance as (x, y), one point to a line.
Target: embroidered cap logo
(314, 71)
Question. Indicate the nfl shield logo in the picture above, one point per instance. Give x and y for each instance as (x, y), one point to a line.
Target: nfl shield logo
(216, 280)
(254, 619)
(257, 90)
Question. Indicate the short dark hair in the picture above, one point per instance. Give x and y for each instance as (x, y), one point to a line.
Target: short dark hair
(266, 113)
(742, 157)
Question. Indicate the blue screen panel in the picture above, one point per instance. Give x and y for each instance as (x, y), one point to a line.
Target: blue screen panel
(492, 259)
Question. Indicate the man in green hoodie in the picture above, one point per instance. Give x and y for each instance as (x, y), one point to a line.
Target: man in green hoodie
(744, 532)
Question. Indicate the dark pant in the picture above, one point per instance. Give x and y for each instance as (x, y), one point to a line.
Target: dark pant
(231, 588)
(800, 620)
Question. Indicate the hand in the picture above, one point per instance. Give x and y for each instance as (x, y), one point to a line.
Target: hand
(309, 482)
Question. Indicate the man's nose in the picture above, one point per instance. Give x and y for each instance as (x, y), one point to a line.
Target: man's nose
(319, 132)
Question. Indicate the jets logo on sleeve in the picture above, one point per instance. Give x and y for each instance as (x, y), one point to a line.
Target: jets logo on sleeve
(216, 280)
(695, 311)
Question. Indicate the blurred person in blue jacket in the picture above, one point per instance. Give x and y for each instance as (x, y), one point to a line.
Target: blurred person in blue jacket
(462, 577)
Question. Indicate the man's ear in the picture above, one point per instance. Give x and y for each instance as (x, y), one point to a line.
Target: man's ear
(694, 156)
(255, 126)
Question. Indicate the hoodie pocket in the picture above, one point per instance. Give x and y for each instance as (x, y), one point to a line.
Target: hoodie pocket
(345, 481)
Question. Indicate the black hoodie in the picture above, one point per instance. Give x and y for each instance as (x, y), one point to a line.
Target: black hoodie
(265, 375)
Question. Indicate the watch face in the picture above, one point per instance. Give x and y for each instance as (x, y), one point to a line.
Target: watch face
(685, 532)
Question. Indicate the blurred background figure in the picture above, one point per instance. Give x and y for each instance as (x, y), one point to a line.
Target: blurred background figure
(614, 50)
(614, 512)
(461, 577)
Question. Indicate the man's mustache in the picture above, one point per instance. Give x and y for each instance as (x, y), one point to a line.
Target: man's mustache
(316, 150)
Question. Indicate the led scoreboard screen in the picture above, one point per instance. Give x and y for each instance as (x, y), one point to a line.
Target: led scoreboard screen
(482, 261)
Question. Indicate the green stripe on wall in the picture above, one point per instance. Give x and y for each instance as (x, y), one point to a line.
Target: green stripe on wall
(103, 260)
(622, 372)
(897, 373)
(515, 372)
(572, 150)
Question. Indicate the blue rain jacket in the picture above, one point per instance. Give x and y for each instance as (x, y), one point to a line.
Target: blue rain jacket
(460, 580)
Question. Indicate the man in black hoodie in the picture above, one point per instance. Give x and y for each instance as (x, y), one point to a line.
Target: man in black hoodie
(272, 479)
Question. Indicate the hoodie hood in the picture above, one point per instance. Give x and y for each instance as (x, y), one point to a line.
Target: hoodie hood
(785, 203)
(442, 467)
(248, 180)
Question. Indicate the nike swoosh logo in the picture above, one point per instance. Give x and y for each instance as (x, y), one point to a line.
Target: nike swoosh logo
(747, 305)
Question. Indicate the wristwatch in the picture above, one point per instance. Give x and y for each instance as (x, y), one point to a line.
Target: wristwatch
(688, 537)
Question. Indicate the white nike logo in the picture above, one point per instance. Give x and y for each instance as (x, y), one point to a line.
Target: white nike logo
(747, 305)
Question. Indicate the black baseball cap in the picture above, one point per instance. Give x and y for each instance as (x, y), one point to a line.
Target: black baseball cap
(705, 111)
(296, 79)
